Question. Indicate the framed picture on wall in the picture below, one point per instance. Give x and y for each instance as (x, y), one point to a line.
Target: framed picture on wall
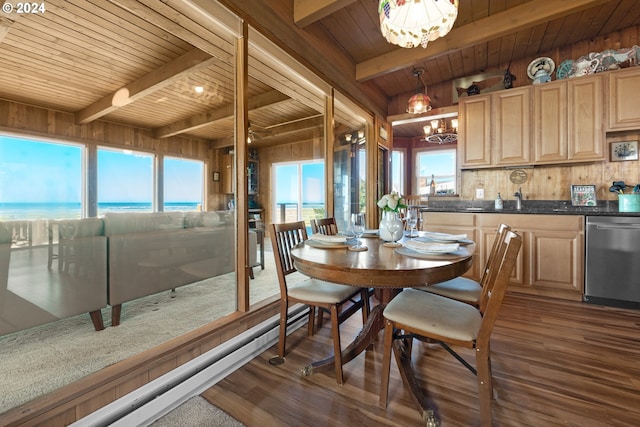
(583, 195)
(624, 150)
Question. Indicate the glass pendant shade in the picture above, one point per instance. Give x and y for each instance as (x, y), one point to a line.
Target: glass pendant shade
(413, 23)
(419, 103)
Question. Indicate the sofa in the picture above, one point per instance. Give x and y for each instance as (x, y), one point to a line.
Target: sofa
(113, 260)
(154, 252)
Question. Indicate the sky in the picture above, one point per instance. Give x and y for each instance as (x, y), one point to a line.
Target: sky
(42, 172)
(288, 182)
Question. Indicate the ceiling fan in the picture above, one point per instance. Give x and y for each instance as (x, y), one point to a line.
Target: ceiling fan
(255, 132)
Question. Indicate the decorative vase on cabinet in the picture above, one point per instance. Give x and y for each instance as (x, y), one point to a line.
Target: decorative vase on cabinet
(391, 227)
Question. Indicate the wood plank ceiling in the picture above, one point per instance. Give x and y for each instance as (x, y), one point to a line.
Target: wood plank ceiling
(137, 62)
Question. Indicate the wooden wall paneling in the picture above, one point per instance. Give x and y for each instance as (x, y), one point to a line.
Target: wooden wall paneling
(136, 381)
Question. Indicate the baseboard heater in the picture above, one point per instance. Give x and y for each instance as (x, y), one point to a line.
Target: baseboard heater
(157, 398)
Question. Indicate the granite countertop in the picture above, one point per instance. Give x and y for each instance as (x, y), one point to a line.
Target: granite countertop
(544, 207)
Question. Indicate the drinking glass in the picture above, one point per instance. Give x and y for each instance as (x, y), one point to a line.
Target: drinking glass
(395, 230)
(357, 223)
(412, 220)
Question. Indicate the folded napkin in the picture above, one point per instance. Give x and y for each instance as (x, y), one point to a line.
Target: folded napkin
(328, 239)
(444, 236)
(373, 231)
(431, 248)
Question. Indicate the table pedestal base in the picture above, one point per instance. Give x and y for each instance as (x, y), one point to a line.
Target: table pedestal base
(402, 352)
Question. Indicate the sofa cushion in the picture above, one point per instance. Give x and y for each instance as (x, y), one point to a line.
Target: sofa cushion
(202, 219)
(141, 222)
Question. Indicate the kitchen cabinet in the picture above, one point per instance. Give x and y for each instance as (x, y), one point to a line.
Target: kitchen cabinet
(551, 260)
(585, 109)
(550, 123)
(512, 127)
(623, 99)
(568, 117)
(459, 223)
(474, 132)
(495, 129)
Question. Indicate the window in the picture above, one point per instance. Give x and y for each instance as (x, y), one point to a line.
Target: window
(125, 181)
(397, 171)
(439, 163)
(299, 191)
(40, 179)
(183, 184)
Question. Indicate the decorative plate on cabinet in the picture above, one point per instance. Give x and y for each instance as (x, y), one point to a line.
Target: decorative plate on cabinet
(540, 69)
(518, 176)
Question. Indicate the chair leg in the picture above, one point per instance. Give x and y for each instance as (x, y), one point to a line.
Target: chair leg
(320, 318)
(483, 366)
(337, 349)
(386, 363)
(312, 319)
(282, 339)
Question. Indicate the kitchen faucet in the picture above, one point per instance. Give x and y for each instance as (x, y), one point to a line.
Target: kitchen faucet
(518, 196)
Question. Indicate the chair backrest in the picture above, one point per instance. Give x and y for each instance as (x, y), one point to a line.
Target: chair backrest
(326, 226)
(502, 231)
(283, 238)
(495, 289)
(412, 200)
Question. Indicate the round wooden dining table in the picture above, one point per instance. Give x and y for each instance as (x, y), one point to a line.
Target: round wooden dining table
(385, 269)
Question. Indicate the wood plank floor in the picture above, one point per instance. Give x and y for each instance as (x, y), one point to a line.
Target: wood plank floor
(555, 363)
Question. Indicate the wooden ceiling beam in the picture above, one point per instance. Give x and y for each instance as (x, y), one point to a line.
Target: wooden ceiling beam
(312, 122)
(306, 12)
(157, 79)
(517, 18)
(5, 24)
(200, 120)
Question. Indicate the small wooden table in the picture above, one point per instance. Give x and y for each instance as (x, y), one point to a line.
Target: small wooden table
(387, 271)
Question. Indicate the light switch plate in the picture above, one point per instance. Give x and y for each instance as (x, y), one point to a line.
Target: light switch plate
(479, 193)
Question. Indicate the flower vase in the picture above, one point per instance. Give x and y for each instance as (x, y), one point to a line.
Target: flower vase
(391, 227)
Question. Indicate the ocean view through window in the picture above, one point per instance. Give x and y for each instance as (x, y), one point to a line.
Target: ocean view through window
(42, 179)
(299, 191)
(183, 184)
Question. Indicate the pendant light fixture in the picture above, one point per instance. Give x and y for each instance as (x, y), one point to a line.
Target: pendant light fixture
(413, 23)
(420, 102)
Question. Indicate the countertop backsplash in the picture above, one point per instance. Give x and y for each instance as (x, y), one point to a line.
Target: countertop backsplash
(548, 207)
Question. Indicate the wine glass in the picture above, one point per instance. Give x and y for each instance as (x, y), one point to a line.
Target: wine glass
(357, 223)
(412, 220)
(394, 228)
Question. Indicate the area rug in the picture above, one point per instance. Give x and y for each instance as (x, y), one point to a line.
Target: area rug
(197, 412)
(42, 359)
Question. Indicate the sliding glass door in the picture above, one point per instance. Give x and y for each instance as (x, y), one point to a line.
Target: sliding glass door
(299, 191)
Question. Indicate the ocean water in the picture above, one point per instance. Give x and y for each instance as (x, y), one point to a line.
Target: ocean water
(24, 211)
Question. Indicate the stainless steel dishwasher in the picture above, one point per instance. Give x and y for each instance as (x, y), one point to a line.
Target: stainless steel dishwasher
(612, 265)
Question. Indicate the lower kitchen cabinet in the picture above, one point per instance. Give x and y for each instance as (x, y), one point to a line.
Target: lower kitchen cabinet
(551, 260)
(458, 223)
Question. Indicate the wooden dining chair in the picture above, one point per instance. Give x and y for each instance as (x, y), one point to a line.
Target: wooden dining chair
(326, 226)
(340, 300)
(450, 322)
(465, 289)
(413, 200)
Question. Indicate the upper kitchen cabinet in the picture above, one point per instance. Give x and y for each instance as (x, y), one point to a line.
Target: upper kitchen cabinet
(624, 102)
(568, 117)
(495, 129)
(474, 132)
(550, 122)
(512, 127)
(585, 109)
